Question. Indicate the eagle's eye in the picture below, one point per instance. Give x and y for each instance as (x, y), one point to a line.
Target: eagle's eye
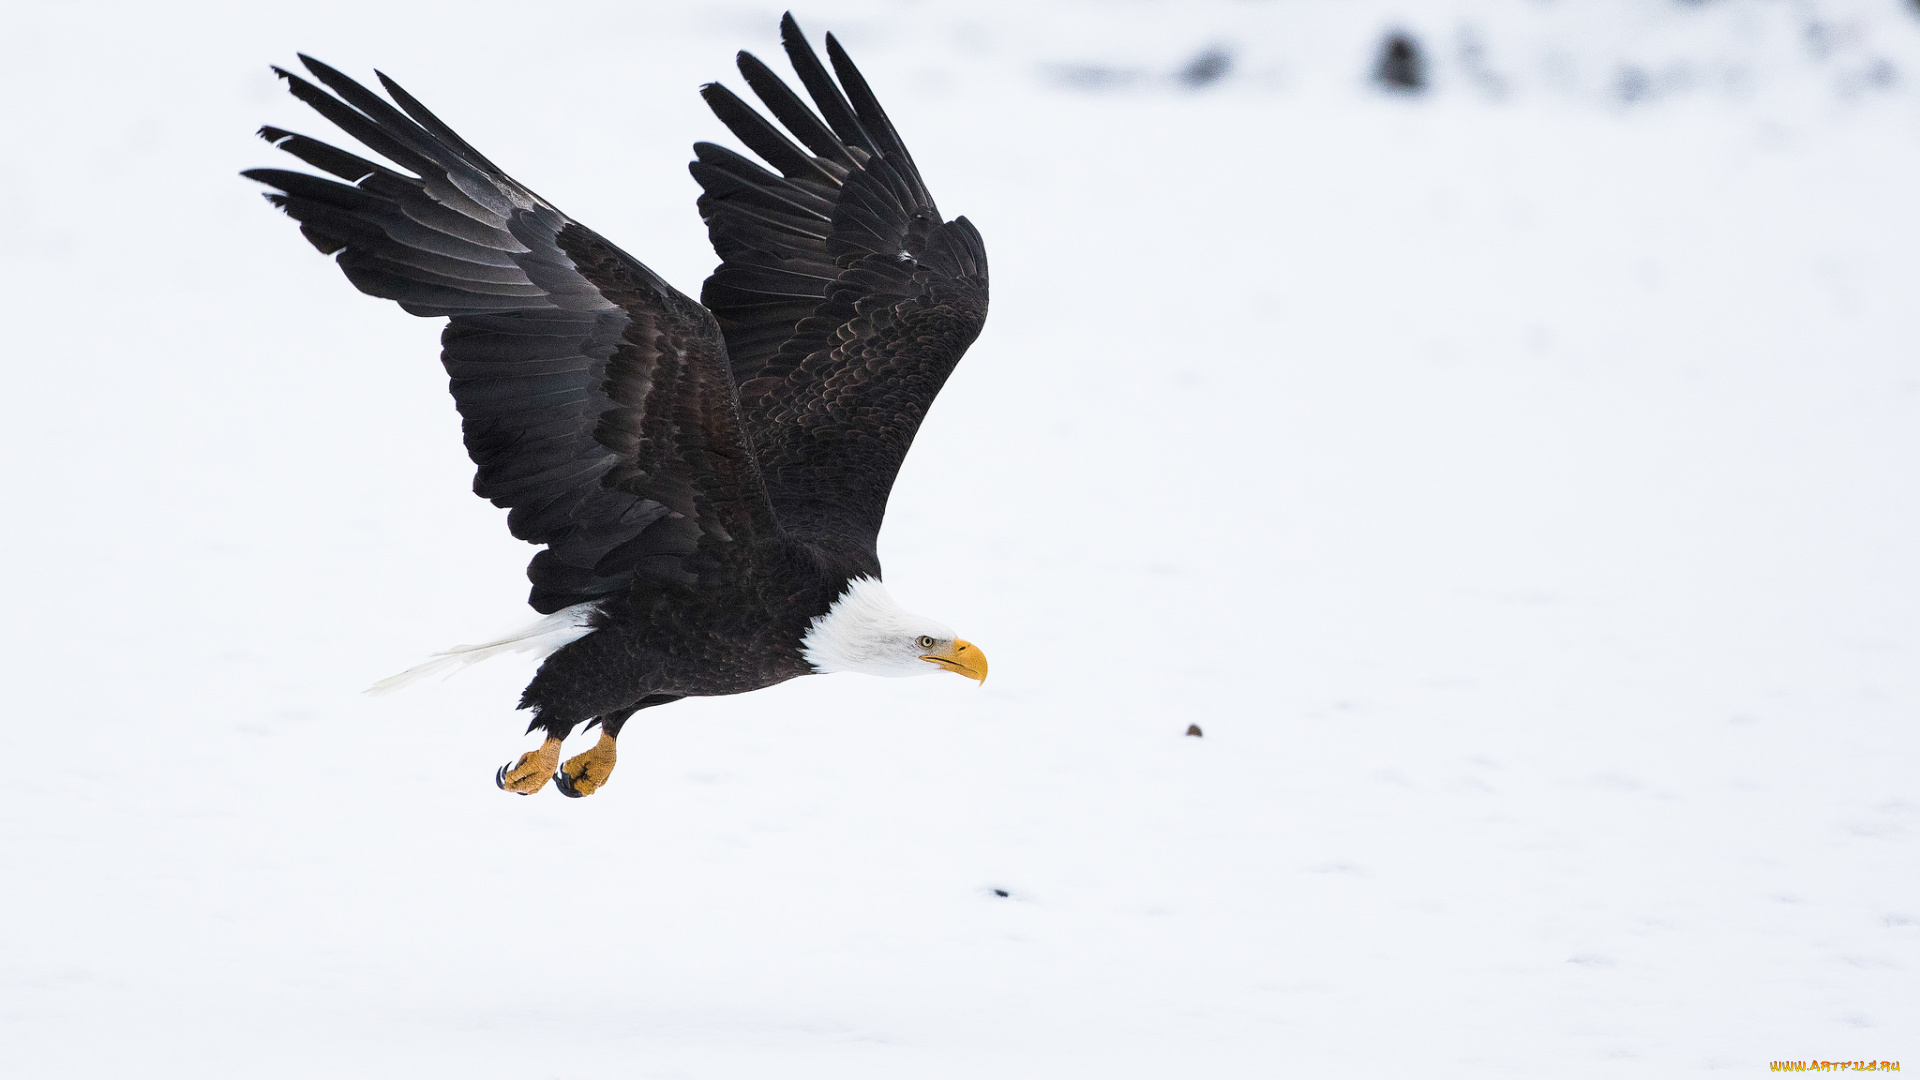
(926, 642)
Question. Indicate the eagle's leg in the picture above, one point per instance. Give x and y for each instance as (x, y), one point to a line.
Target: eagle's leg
(586, 773)
(592, 680)
(583, 774)
(570, 687)
(533, 770)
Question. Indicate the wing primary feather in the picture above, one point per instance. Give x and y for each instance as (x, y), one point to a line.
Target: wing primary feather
(872, 117)
(725, 182)
(351, 121)
(744, 171)
(434, 124)
(787, 108)
(761, 136)
(440, 182)
(808, 230)
(318, 189)
(390, 119)
(826, 96)
(449, 177)
(327, 158)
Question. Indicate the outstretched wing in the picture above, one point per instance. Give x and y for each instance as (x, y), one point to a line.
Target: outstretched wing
(845, 301)
(596, 400)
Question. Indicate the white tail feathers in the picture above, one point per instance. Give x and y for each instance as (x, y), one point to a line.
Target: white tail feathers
(541, 638)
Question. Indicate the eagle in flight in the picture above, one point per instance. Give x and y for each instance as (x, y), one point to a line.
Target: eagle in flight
(707, 480)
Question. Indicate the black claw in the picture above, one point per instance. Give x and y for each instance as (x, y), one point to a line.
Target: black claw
(500, 778)
(565, 783)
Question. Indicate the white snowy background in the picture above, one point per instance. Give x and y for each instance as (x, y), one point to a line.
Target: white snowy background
(1519, 483)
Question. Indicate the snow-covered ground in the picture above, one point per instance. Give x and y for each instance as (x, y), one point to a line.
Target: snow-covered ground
(1520, 484)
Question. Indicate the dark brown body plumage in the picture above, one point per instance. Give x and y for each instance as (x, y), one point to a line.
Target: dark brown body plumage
(708, 475)
(650, 651)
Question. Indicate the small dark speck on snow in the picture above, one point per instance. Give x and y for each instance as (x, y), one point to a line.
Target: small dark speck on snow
(1207, 68)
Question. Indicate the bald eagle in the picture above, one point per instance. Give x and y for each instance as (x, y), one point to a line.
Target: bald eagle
(707, 480)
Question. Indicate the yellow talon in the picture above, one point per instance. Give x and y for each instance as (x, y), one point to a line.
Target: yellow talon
(532, 771)
(587, 773)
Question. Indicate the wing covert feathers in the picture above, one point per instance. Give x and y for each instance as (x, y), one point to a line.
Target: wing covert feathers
(844, 300)
(595, 400)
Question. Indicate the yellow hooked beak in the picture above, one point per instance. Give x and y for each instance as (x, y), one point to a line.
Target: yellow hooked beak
(961, 658)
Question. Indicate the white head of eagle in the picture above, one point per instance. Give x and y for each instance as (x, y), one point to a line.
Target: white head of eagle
(866, 631)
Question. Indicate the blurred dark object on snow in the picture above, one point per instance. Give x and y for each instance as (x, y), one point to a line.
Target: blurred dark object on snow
(1194, 730)
(1402, 67)
(1633, 84)
(1206, 69)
